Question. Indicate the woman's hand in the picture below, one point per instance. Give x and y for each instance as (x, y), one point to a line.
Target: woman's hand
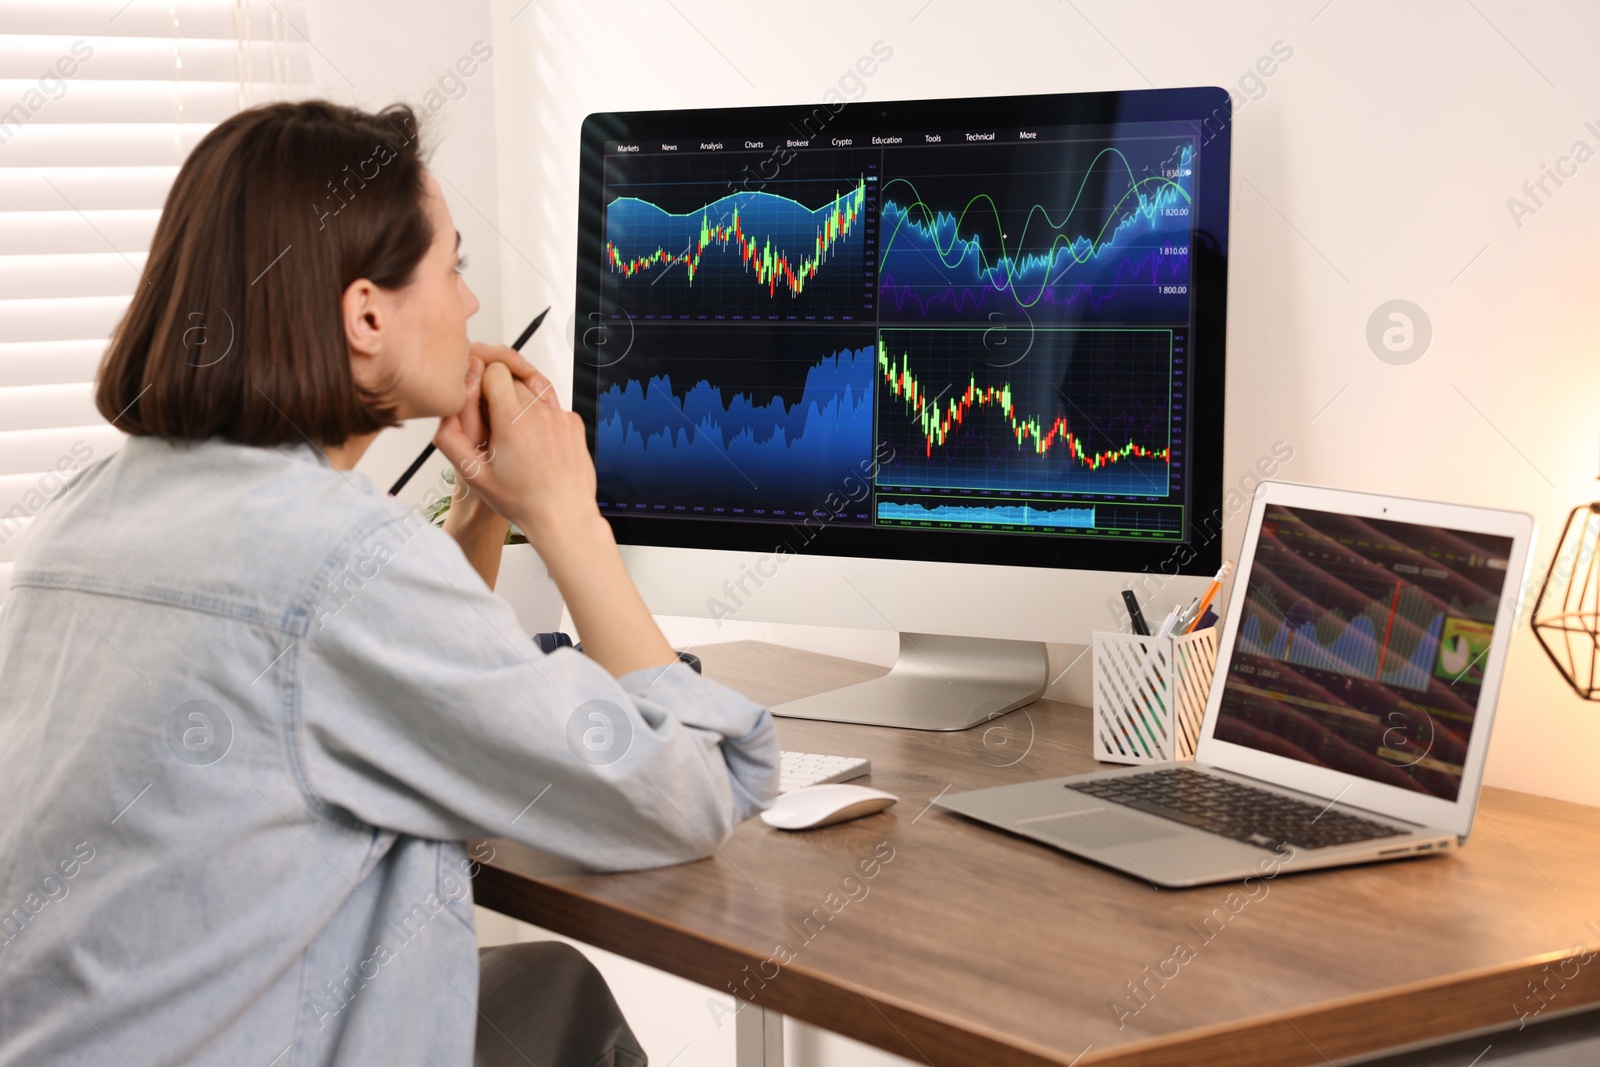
(472, 520)
(528, 459)
(534, 468)
(473, 424)
(471, 418)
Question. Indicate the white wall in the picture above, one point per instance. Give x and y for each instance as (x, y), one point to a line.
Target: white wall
(1373, 164)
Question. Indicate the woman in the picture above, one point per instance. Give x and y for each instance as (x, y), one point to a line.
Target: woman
(251, 708)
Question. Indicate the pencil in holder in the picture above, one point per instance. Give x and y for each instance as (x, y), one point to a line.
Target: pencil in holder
(1150, 694)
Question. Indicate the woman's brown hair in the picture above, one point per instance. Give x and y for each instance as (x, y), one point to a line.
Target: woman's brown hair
(237, 329)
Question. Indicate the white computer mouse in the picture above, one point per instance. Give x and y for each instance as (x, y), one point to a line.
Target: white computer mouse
(824, 805)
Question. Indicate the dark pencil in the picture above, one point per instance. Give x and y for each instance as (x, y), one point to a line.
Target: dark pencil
(417, 463)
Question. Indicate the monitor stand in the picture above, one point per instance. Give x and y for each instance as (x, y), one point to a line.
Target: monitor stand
(936, 683)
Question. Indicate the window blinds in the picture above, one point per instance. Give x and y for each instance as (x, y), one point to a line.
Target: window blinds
(99, 104)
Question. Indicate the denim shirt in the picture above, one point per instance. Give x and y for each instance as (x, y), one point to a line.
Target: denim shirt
(251, 709)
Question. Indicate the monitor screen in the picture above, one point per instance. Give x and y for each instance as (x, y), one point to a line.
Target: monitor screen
(1361, 646)
(967, 330)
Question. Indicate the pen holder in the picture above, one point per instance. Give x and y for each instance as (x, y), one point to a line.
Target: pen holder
(1150, 694)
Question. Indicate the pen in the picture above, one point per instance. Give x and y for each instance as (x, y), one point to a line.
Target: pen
(417, 463)
(1135, 616)
(1168, 624)
(1211, 592)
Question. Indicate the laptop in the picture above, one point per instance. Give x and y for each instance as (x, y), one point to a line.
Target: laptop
(1357, 672)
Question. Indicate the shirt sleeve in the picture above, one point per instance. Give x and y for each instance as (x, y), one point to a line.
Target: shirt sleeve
(426, 709)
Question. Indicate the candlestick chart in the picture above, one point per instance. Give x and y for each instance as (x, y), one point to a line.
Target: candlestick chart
(749, 253)
(1087, 411)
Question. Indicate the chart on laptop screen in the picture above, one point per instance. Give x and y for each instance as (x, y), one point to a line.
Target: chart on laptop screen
(990, 327)
(1361, 646)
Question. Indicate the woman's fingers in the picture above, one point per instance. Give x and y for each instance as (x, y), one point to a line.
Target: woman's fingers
(521, 369)
(539, 388)
(544, 389)
(515, 361)
(535, 469)
(456, 446)
(526, 400)
(500, 396)
(471, 414)
(518, 364)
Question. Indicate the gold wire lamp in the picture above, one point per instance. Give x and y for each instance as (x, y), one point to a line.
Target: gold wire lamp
(1566, 616)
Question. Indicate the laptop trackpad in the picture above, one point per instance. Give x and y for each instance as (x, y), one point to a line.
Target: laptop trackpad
(1096, 828)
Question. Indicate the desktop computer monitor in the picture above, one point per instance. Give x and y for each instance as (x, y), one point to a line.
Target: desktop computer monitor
(952, 368)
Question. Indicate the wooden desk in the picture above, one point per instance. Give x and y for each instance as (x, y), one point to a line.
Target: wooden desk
(970, 947)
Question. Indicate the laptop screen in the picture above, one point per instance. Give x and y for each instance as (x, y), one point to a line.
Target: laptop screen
(1361, 646)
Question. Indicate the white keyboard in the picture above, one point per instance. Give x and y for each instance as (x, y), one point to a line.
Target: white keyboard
(800, 769)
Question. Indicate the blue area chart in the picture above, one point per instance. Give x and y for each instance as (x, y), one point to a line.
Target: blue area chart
(705, 445)
(1120, 254)
(1392, 645)
(994, 515)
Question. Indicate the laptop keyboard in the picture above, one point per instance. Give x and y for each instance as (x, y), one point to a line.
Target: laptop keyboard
(1240, 812)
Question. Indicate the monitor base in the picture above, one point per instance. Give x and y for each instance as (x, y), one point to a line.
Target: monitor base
(936, 683)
